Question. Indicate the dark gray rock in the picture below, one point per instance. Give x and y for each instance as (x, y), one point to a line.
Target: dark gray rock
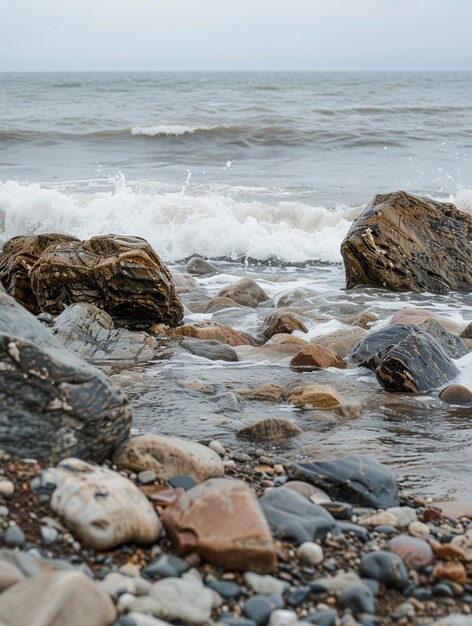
(14, 537)
(258, 608)
(359, 531)
(385, 567)
(225, 588)
(165, 566)
(326, 617)
(358, 480)
(374, 346)
(52, 404)
(292, 516)
(451, 344)
(359, 599)
(210, 349)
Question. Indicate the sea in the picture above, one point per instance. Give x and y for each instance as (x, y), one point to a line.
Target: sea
(262, 172)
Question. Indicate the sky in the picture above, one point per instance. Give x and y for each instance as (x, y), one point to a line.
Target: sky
(235, 35)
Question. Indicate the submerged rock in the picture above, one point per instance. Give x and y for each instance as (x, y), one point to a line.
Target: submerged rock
(208, 330)
(245, 292)
(317, 396)
(52, 404)
(211, 349)
(267, 392)
(222, 521)
(406, 243)
(358, 480)
(314, 355)
(282, 322)
(270, 429)
(341, 341)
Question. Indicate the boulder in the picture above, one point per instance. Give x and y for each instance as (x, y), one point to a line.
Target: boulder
(59, 599)
(416, 364)
(52, 404)
(313, 355)
(451, 343)
(372, 348)
(316, 396)
(211, 349)
(103, 508)
(168, 457)
(245, 292)
(354, 479)
(183, 283)
(211, 331)
(121, 275)
(456, 394)
(282, 322)
(222, 521)
(201, 267)
(406, 243)
(284, 344)
(270, 429)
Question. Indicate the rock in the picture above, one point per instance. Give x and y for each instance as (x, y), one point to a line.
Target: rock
(451, 343)
(386, 567)
(467, 332)
(419, 316)
(147, 477)
(9, 575)
(282, 322)
(56, 600)
(454, 620)
(450, 570)
(14, 537)
(417, 364)
(359, 599)
(382, 518)
(340, 582)
(202, 520)
(52, 404)
(211, 331)
(201, 267)
(102, 507)
(212, 350)
(217, 447)
(258, 608)
(362, 320)
(284, 344)
(282, 617)
(406, 243)
(316, 495)
(219, 304)
(292, 516)
(456, 394)
(313, 355)
(186, 601)
(116, 584)
(374, 346)
(310, 553)
(415, 553)
(245, 292)
(225, 588)
(168, 457)
(166, 566)
(264, 584)
(317, 396)
(418, 529)
(7, 488)
(464, 542)
(267, 393)
(183, 283)
(270, 429)
(404, 514)
(341, 341)
(358, 480)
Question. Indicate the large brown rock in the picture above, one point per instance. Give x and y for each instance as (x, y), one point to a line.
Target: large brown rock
(222, 521)
(121, 275)
(406, 243)
(313, 355)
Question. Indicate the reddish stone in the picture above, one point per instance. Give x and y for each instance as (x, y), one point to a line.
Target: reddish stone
(456, 394)
(450, 570)
(317, 356)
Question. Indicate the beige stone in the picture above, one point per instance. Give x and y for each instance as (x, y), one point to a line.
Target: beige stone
(169, 456)
(288, 344)
(317, 396)
(314, 355)
(246, 292)
(270, 429)
(267, 393)
(418, 316)
(341, 341)
(210, 331)
(9, 575)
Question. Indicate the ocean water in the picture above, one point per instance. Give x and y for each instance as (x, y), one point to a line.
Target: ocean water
(265, 172)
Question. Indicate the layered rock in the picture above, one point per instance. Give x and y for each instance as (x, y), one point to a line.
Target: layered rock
(270, 429)
(222, 521)
(406, 243)
(52, 404)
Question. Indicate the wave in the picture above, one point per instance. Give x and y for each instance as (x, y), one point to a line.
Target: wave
(174, 130)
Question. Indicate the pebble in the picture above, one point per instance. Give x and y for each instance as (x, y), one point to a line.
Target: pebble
(217, 447)
(236, 621)
(258, 608)
(264, 584)
(166, 566)
(225, 588)
(442, 590)
(282, 617)
(418, 529)
(7, 488)
(14, 537)
(359, 531)
(414, 552)
(456, 394)
(404, 514)
(385, 567)
(298, 597)
(186, 482)
(359, 599)
(49, 535)
(147, 476)
(310, 553)
(323, 617)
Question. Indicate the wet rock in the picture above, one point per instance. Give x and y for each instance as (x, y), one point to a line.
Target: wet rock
(14, 537)
(52, 404)
(183, 283)
(450, 570)
(270, 429)
(362, 320)
(420, 316)
(358, 480)
(292, 516)
(284, 344)
(456, 394)
(406, 243)
(221, 303)
(416, 364)
(212, 350)
(310, 553)
(282, 322)
(201, 267)
(359, 599)
(467, 332)
(341, 341)
(166, 566)
(90, 332)
(203, 520)
(386, 567)
(245, 292)
(373, 347)
(316, 396)
(267, 393)
(314, 355)
(451, 343)
(415, 553)
(55, 600)
(102, 507)
(464, 542)
(186, 601)
(316, 495)
(211, 331)
(168, 457)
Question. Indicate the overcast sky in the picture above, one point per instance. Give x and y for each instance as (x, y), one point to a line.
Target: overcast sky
(235, 34)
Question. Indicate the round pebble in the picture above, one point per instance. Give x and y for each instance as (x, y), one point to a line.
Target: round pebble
(414, 552)
(456, 394)
(14, 537)
(418, 529)
(7, 488)
(385, 567)
(310, 553)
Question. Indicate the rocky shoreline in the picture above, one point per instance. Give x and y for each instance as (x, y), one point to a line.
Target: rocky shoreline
(98, 528)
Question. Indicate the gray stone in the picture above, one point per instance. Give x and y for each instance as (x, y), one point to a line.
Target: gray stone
(385, 567)
(14, 537)
(147, 476)
(245, 292)
(264, 584)
(210, 349)
(187, 601)
(201, 267)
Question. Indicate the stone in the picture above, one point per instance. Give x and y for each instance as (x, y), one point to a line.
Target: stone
(270, 429)
(359, 599)
(116, 584)
(103, 508)
(419, 316)
(316, 495)
(464, 542)
(404, 514)
(450, 570)
(316, 396)
(52, 404)
(467, 332)
(453, 620)
(9, 575)
(90, 332)
(450, 342)
(418, 529)
(374, 346)
(186, 601)
(55, 600)
(183, 283)
(168, 457)
(14, 537)
(146, 477)
(282, 322)
(283, 617)
(291, 516)
(7, 488)
(407, 243)
(354, 479)
(310, 553)
(166, 566)
(259, 608)
(456, 394)
(339, 583)
(202, 520)
(416, 364)
(415, 553)
(325, 617)
(314, 355)
(386, 567)
(383, 518)
(182, 482)
(266, 393)
(200, 267)
(342, 341)
(212, 350)
(264, 584)
(245, 292)
(225, 588)
(209, 330)
(284, 344)
(219, 304)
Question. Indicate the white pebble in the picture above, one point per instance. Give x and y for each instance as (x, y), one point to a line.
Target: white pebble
(310, 553)
(7, 488)
(418, 529)
(217, 447)
(282, 617)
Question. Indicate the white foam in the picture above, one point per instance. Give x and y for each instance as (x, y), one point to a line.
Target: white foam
(168, 130)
